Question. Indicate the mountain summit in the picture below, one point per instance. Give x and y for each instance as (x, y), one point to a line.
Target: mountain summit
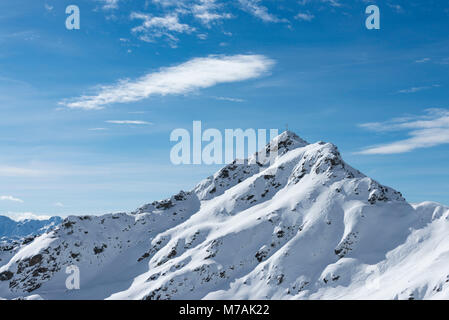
(304, 226)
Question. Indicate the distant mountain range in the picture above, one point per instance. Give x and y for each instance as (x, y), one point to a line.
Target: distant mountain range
(306, 226)
(11, 230)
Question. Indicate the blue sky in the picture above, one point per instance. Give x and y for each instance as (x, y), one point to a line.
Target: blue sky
(86, 114)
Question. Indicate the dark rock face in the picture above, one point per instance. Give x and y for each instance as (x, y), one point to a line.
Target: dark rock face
(5, 276)
(100, 249)
(35, 260)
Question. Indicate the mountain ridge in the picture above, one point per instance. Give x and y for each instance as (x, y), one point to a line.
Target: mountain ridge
(302, 225)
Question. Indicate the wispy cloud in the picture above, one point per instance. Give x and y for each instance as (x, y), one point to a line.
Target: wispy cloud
(153, 28)
(110, 4)
(425, 131)
(169, 3)
(423, 60)
(418, 89)
(444, 61)
(205, 11)
(304, 16)
(208, 11)
(134, 122)
(256, 9)
(58, 204)
(198, 73)
(169, 19)
(396, 7)
(172, 18)
(97, 129)
(229, 99)
(10, 198)
(48, 7)
(333, 3)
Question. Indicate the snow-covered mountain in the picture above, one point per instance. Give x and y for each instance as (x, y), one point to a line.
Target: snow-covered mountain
(305, 226)
(12, 230)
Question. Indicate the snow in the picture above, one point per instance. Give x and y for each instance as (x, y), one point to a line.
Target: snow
(305, 226)
(14, 230)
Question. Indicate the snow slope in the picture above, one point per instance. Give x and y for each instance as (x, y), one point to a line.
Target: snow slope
(305, 226)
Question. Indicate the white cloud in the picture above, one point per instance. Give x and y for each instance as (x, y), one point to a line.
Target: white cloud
(160, 27)
(135, 122)
(198, 73)
(97, 129)
(168, 3)
(58, 204)
(110, 4)
(444, 61)
(48, 7)
(167, 19)
(10, 198)
(429, 130)
(259, 11)
(333, 3)
(396, 7)
(423, 60)
(305, 16)
(207, 12)
(229, 99)
(418, 89)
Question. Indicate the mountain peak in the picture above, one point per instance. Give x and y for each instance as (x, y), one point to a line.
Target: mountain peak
(290, 135)
(277, 147)
(305, 225)
(239, 170)
(288, 139)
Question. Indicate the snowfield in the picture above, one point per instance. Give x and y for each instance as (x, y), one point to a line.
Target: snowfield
(307, 226)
